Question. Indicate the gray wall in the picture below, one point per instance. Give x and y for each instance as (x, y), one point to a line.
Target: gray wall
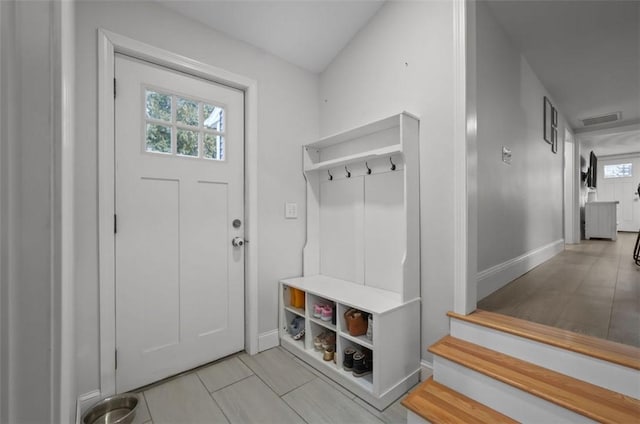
(520, 206)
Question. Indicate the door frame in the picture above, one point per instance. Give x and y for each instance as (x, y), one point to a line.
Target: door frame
(110, 43)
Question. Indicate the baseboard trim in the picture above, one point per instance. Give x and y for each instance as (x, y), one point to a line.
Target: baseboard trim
(85, 401)
(492, 279)
(426, 370)
(268, 339)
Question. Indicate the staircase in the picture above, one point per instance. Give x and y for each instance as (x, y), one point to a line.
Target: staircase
(497, 369)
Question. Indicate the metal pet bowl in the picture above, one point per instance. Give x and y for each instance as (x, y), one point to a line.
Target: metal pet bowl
(118, 409)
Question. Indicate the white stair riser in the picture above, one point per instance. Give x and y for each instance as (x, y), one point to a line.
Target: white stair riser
(595, 371)
(508, 400)
(415, 419)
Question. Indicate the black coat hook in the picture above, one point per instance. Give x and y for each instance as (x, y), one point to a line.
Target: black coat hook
(368, 169)
(347, 171)
(393, 165)
(330, 176)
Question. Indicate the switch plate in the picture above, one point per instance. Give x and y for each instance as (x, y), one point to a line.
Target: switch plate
(291, 210)
(506, 155)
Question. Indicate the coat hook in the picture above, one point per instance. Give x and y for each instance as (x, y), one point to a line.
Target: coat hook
(393, 165)
(368, 169)
(348, 173)
(330, 176)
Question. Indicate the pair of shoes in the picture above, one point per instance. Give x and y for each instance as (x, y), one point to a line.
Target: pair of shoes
(324, 340)
(362, 363)
(324, 312)
(296, 328)
(359, 363)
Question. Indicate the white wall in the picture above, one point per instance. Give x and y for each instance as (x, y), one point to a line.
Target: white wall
(287, 118)
(571, 188)
(583, 165)
(7, 98)
(31, 294)
(520, 206)
(403, 60)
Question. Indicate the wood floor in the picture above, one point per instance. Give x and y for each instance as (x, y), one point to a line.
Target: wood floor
(591, 288)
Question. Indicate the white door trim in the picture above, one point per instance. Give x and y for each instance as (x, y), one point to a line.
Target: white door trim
(109, 44)
(465, 158)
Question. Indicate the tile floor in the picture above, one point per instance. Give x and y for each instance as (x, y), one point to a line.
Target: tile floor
(270, 387)
(591, 288)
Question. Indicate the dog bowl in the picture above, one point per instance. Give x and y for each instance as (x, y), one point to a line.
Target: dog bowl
(118, 409)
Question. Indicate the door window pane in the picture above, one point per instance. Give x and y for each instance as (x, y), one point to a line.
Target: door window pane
(213, 146)
(193, 128)
(158, 138)
(187, 143)
(619, 170)
(214, 117)
(187, 112)
(158, 106)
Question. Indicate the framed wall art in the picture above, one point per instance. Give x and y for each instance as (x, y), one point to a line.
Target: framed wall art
(547, 120)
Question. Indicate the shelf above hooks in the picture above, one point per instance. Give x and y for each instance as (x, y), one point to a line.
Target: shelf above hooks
(355, 158)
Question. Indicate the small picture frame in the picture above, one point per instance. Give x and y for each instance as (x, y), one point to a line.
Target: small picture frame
(547, 120)
(554, 137)
(554, 121)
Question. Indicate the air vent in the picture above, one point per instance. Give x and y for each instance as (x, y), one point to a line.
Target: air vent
(602, 119)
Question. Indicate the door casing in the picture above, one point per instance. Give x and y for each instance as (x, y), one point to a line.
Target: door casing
(109, 44)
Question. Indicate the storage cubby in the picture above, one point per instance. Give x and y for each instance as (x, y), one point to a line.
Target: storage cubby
(316, 300)
(363, 252)
(288, 316)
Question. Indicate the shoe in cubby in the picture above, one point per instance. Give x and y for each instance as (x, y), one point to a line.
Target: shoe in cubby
(347, 361)
(362, 363)
(296, 328)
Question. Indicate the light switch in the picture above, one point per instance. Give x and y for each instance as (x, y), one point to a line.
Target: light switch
(506, 155)
(291, 210)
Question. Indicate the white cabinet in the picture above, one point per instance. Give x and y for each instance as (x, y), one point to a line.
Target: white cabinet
(601, 220)
(363, 252)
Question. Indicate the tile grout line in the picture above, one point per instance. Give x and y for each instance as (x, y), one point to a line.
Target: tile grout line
(146, 403)
(214, 399)
(274, 392)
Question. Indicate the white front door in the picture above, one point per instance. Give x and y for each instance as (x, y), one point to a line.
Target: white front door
(179, 187)
(618, 179)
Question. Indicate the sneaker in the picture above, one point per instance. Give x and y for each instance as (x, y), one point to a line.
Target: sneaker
(329, 340)
(327, 313)
(317, 310)
(362, 364)
(297, 328)
(347, 362)
(294, 325)
(319, 340)
(299, 334)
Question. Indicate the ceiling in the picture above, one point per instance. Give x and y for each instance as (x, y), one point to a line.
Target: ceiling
(307, 33)
(587, 55)
(585, 52)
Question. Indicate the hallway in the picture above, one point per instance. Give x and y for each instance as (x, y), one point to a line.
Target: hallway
(591, 288)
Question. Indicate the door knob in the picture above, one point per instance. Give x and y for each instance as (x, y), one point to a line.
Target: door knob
(237, 242)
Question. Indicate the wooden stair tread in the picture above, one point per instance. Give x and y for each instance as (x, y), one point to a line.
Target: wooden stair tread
(439, 404)
(583, 398)
(617, 353)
